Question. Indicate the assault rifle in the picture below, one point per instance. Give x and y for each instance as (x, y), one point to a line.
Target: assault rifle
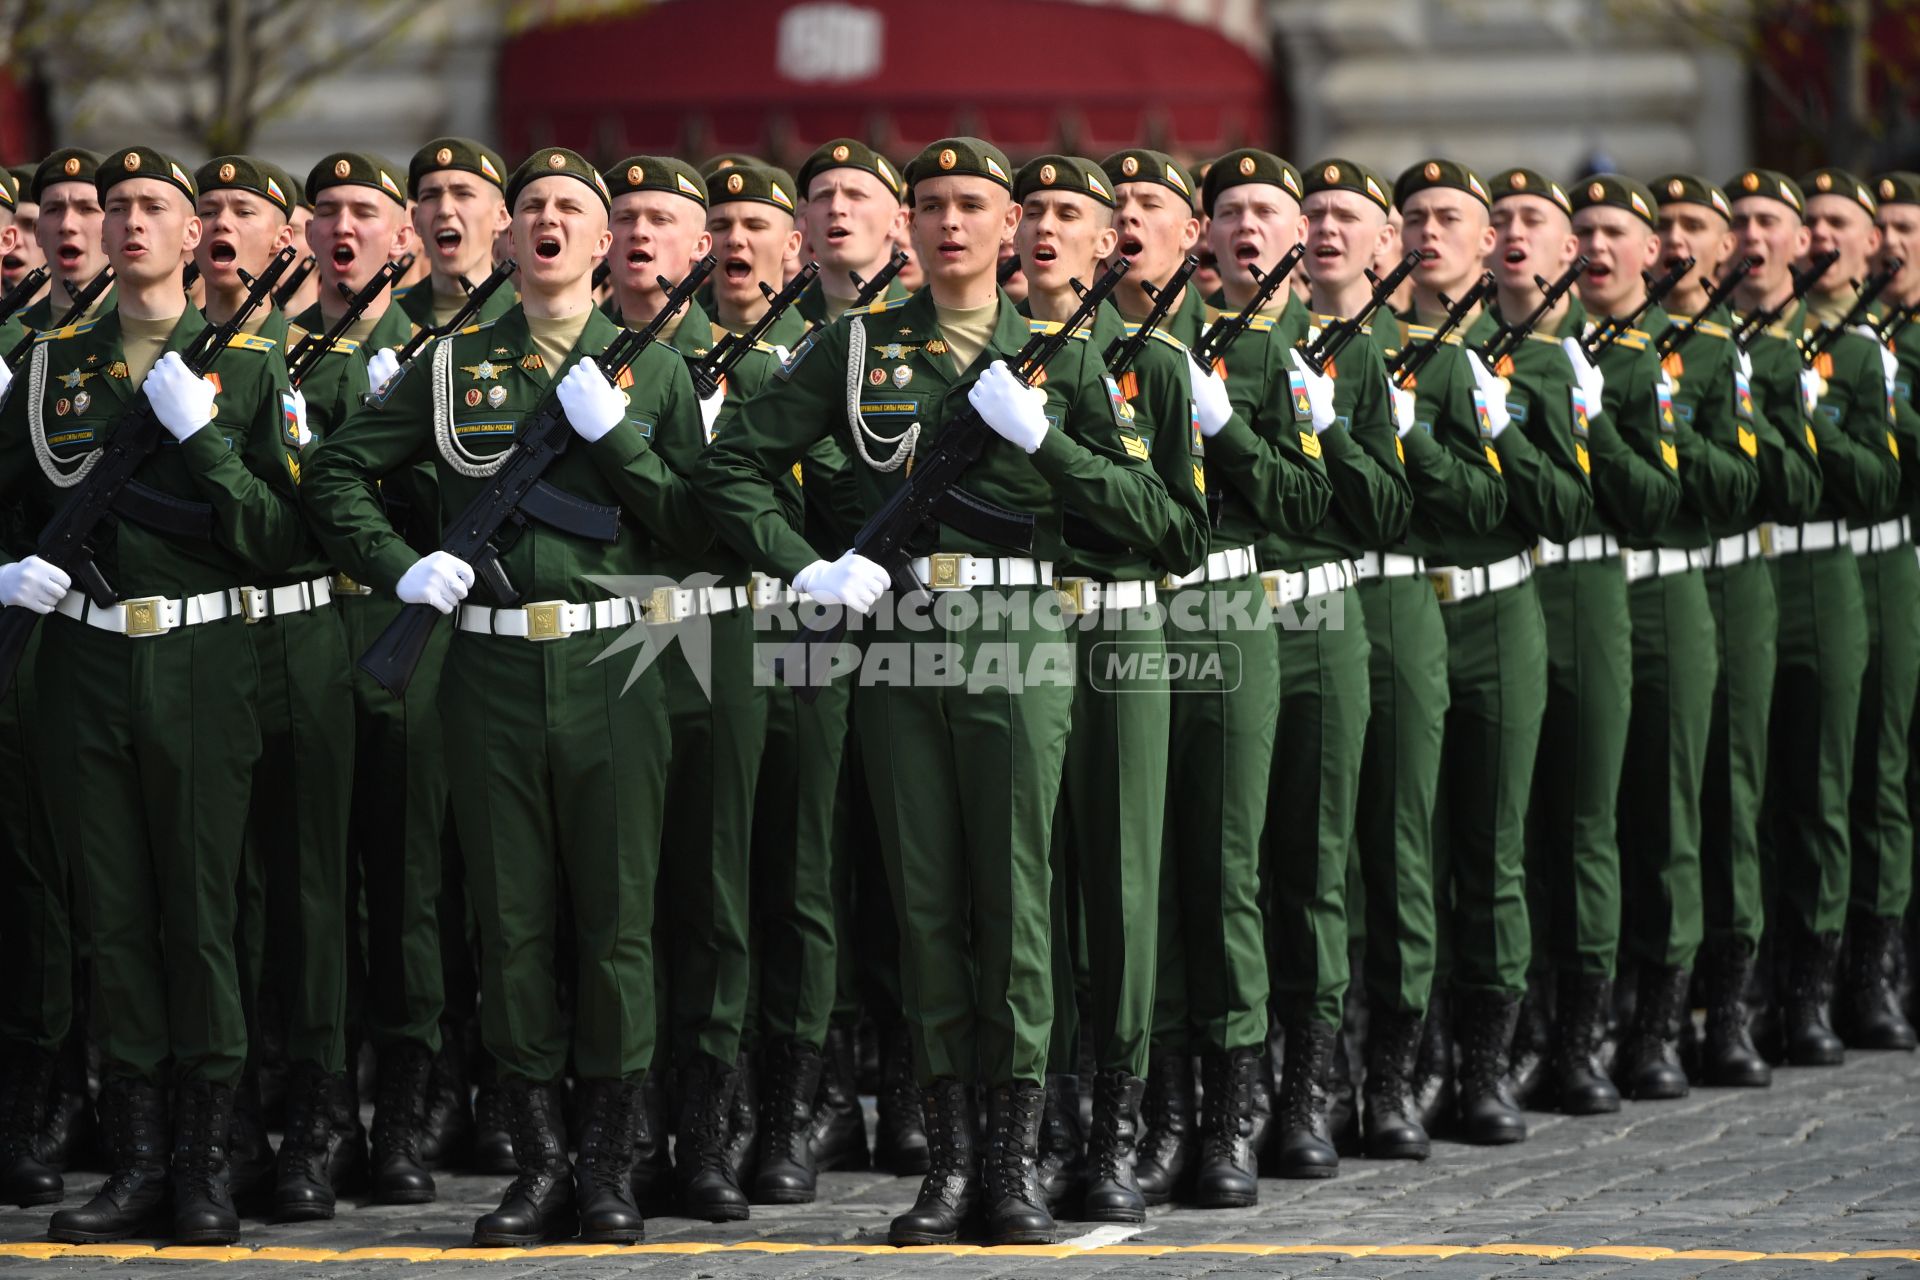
(1508, 339)
(64, 543)
(709, 369)
(1676, 332)
(1858, 314)
(81, 301)
(1803, 280)
(284, 294)
(517, 492)
(1125, 349)
(869, 293)
(477, 296)
(1414, 356)
(21, 294)
(1614, 328)
(1334, 338)
(1224, 332)
(302, 359)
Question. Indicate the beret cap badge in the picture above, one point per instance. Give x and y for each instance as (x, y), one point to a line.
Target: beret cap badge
(1518, 181)
(1750, 181)
(635, 174)
(1432, 171)
(1130, 166)
(226, 173)
(341, 168)
(1048, 173)
(1597, 191)
(1675, 187)
(132, 161)
(1824, 182)
(735, 183)
(1331, 173)
(556, 160)
(1247, 166)
(72, 165)
(443, 156)
(840, 152)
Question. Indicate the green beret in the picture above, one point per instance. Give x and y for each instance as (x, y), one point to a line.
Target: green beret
(656, 173)
(1769, 184)
(1614, 191)
(1136, 164)
(851, 153)
(456, 153)
(142, 162)
(1898, 187)
(1245, 167)
(1440, 173)
(1076, 174)
(557, 162)
(962, 157)
(1685, 188)
(1530, 182)
(728, 160)
(9, 189)
(1345, 175)
(355, 169)
(761, 183)
(69, 164)
(244, 173)
(1838, 182)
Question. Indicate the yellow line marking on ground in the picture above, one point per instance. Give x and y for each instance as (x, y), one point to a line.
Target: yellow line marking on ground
(42, 1250)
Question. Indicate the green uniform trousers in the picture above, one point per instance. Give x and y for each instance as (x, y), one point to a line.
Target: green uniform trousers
(558, 782)
(869, 964)
(396, 830)
(1573, 860)
(1107, 839)
(964, 778)
(36, 1005)
(157, 740)
(706, 843)
(1399, 776)
(1816, 708)
(1313, 788)
(796, 935)
(1497, 682)
(1732, 795)
(1882, 835)
(297, 822)
(1675, 665)
(1211, 989)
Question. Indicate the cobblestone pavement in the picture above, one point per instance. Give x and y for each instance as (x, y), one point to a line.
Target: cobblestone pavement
(1819, 1175)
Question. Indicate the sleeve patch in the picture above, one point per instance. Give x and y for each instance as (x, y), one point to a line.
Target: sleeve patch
(1310, 444)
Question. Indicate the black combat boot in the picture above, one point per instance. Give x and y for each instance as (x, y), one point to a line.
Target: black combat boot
(1651, 1064)
(1433, 1083)
(1809, 1037)
(70, 1134)
(1483, 1026)
(1171, 1138)
(1306, 1138)
(1531, 1057)
(788, 1173)
(603, 1174)
(1112, 1192)
(743, 1118)
(839, 1126)
(318, 1150)
(203, 1211)
(708, 1185)
(250, 1159)
(1392, 1125)
(446, 1137)
(399, 1121)
(1579, 1084)
(1063, 1142)
(491, 1150)
(1010, 1173)
(1728, 1058)
(1226, 1177)
(538, 1204)
(951, 1188)
(652, 1177)
(26, 1086)
(133, 1114)
(1867, 1012)
(900, 1138)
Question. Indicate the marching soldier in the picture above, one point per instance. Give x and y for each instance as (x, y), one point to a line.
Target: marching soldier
(1110, 822)
(1841, 215)
(1675, 662)
(166, 773)
(967, 861)
(549, 767)
(68, 234)
(854, 216)
(459, 208)
(1714, 395)
(22, 254)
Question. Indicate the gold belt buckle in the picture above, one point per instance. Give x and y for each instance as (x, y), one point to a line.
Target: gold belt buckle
(660, 606)
(146, 616)
(1442, 586)
(1270, 582)
(248, 597)
(544, 621)
(943, 571)
(344, 586)
(1075, 592)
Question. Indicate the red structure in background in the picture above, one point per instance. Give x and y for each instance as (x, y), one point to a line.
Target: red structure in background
(777, 77)
(23, 122)
(1797, 120)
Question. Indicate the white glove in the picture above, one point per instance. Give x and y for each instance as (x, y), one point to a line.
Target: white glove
(1889, 363)
(182, 402)
(302, 437)
(593, 405)
(381, 366)
(1319, 393)
(438, 579)
(1493, 393)
(1016, 412)
(1812, 388)
(710, 409)
(33, 584)
(6, 379)
(1403, 410)
(1593, 383)
(852, 580)
(1210, 403)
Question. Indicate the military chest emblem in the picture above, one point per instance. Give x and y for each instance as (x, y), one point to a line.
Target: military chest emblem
(877, 376)
(485, 371)
(936, 346)
(902, 375)
(81, 401)
(118, 369)
(74, 379)
(1302, 403)
(62, 407)
(496, 396)
(473, 397)
(897, 350)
